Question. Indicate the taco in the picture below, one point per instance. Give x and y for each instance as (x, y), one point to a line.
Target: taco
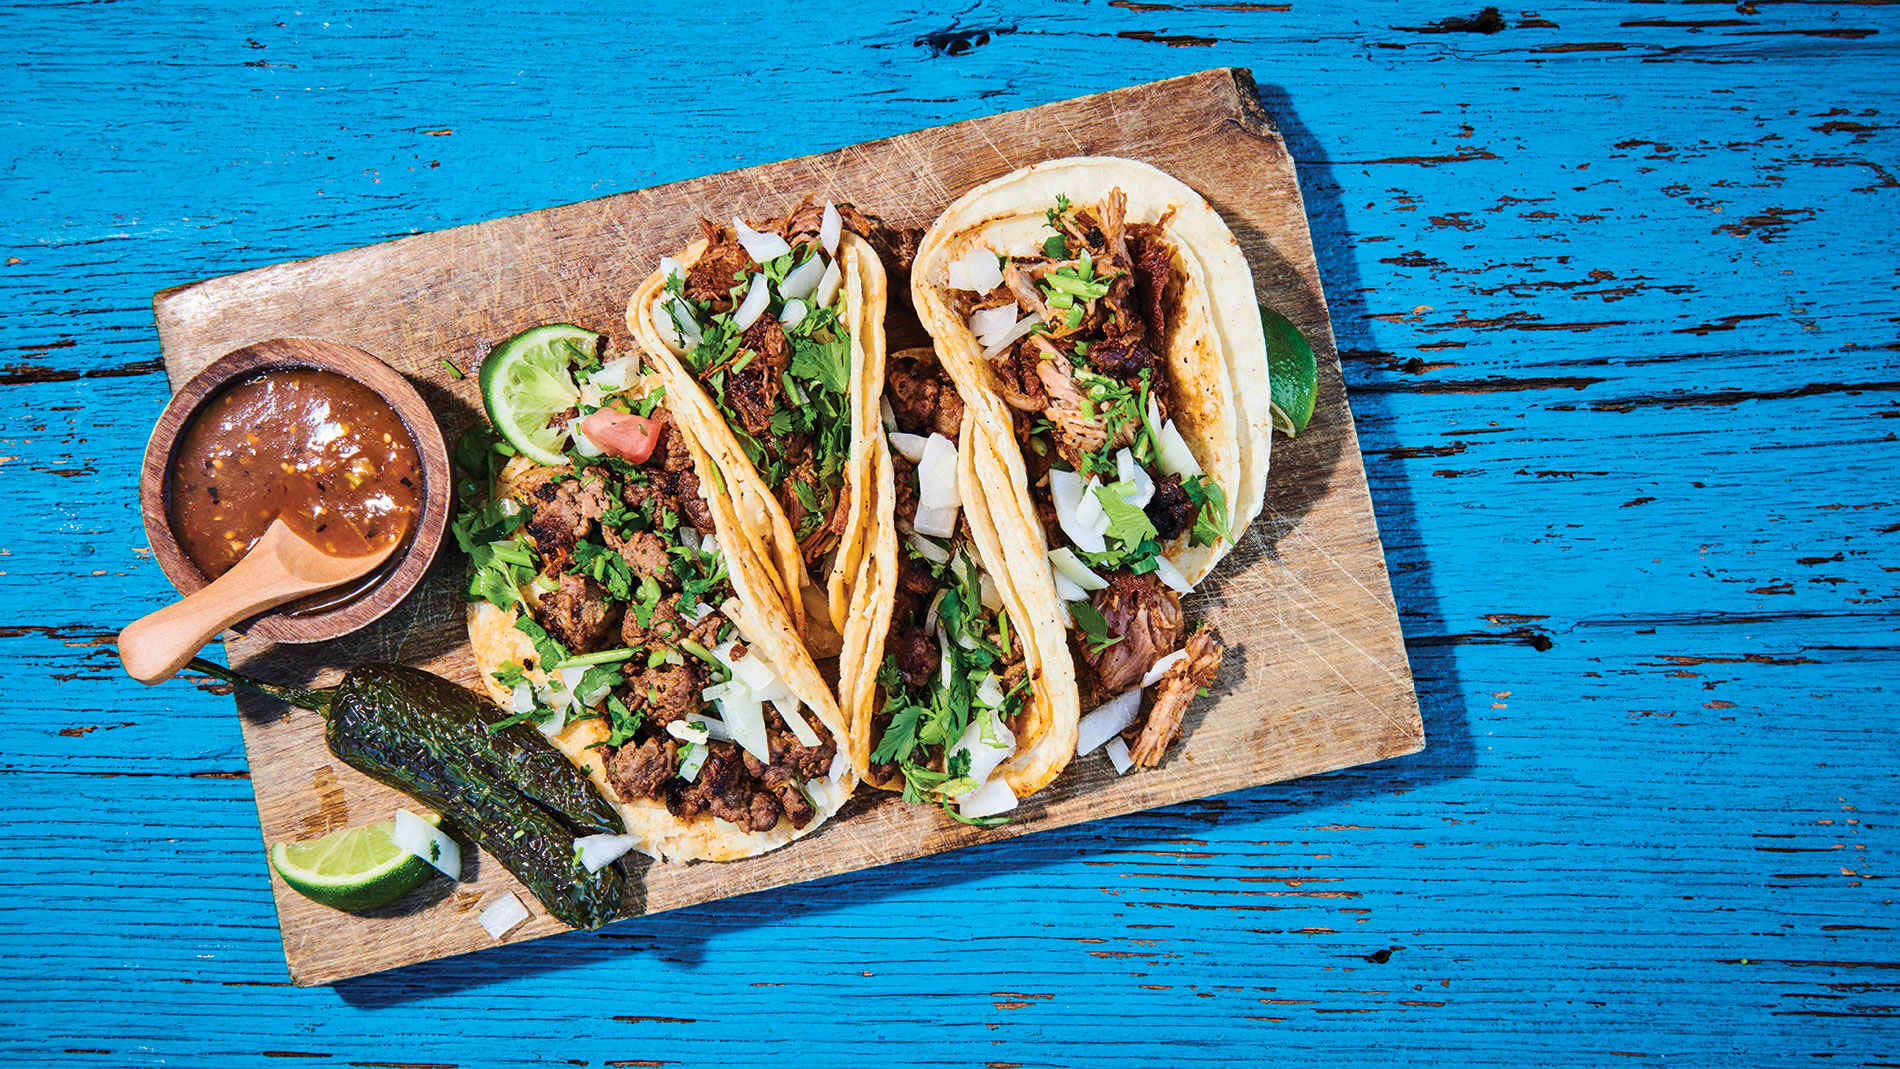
(950, 690)
(1099, 318)
(762, 334)
(618, 603)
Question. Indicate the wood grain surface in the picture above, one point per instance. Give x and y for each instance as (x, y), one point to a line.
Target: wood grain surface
(1613, 291)
(1316, 679)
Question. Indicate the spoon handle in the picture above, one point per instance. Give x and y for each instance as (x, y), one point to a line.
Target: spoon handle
(154, 647)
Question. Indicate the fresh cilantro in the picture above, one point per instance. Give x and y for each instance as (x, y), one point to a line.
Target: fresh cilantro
(510, 675)
(1126, 523)
(545, 647)
(605, 567)
(1056, 247)
(1089, 619)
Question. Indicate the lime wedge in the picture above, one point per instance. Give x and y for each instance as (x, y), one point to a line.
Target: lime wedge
(1292, 373)
(355, 868)
(529, 378)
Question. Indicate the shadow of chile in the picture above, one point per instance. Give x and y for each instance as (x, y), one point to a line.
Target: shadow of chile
(683, 936)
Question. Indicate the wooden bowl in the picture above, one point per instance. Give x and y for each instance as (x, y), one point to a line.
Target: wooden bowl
(299, 622)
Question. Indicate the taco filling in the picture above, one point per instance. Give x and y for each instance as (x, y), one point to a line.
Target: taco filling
(1076, 330)
(760, 319)
(616, 570)
(953, 686)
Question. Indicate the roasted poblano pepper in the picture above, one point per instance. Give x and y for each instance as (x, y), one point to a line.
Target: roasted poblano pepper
(520, 798)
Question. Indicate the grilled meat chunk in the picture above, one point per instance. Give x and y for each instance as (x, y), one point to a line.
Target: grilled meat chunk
(1173, 692)
(1146, 617)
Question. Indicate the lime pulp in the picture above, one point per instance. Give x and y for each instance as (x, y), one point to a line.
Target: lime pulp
(528, 379)
(354, 868)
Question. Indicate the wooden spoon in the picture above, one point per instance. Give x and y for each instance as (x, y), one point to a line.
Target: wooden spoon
(281, 567)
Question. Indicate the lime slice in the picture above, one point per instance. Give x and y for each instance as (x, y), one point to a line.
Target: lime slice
(1292, 374)
(355, 868)
(530, 377)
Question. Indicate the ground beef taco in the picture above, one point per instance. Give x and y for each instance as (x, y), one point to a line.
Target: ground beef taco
(618, 603)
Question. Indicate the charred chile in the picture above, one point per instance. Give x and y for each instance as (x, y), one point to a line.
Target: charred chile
(512, 791)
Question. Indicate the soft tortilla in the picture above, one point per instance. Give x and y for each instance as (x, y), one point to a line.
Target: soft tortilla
(819, 614)
(759, 614)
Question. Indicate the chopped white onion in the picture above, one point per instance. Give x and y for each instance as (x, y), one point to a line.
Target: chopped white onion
(929, 550)
(984, 756)
(694, 757)
(670, 267)
(1117, 752)
(672, 657)
(1088, 509)
(799, 725)
(1172, 577)
(839, 762)
(1173, 454)
(830, 228)
(689, 537)
(977, 271)
(758, 294)
(416, 836)
(1161, 666)
(523, 698)
(988, 800)
(615, 375)
(938, 523)
(499, 917)
(944, 659)
(596, 852)
(793, 314)
(1134, 475)
(555, 722)
(582, 443)
(1016, 333)
(1106, 721)
(592, 395)
(886, 415)
(754, 671)
(802, 281)
(991, 597)
(1068, 493)
(990, 691)
(828, 286)
(701, 611)
(930, 616)
(937, 474)
(745, 718)
(761, 247)
(685, 327)
(908, 446)
(991, 324)
(688, 732)
(1079, 573)
(1066, 590)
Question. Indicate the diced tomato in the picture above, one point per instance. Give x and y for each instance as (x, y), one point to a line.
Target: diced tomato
(631, 438)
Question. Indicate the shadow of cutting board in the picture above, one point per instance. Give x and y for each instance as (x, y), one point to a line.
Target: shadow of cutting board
(1315, 679)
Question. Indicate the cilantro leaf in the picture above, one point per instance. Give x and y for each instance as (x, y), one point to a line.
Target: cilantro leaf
(1126, 523)
(1089, 619)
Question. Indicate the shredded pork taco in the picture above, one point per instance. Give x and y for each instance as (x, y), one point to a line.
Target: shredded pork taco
(618, 603)
(1099, 318)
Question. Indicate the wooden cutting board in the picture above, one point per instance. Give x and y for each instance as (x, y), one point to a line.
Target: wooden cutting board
(1315, 679)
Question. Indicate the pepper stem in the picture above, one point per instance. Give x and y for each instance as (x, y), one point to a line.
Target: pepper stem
(314, 700)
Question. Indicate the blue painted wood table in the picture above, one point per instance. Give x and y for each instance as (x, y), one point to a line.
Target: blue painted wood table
(1614, 287)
